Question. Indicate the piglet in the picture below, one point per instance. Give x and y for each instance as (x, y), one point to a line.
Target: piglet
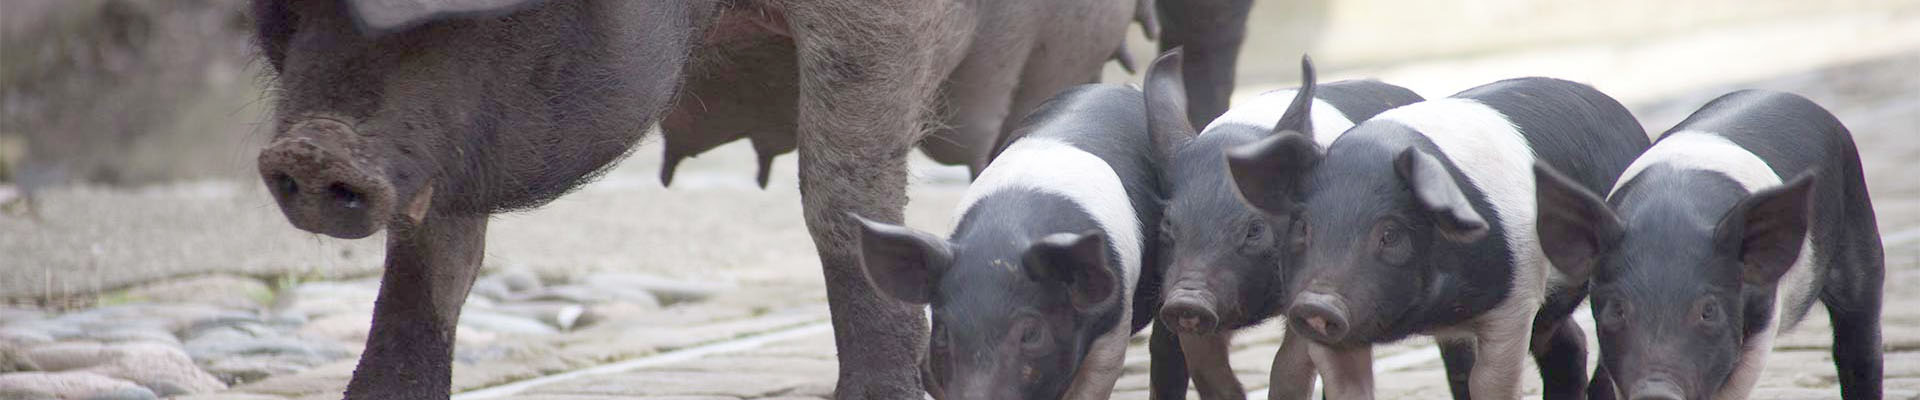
(1033, 293)
(1226, 271)
(1718, 238)
(1421, 221)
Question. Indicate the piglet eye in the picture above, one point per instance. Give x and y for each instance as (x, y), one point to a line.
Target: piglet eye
(1391, 236)
(1710, 313)
(1613, 316)
(1033, 337)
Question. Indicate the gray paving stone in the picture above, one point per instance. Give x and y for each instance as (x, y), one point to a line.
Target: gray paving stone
(665, 383)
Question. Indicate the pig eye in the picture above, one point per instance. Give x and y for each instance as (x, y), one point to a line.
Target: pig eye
(1256, 235)
(1394, 246)
(1033, 336)
(1710, 312)
(1391, 235)
(1613, 316)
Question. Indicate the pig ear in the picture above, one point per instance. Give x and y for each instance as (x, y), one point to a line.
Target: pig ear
(1080, 261)
(1768, 229)
(1299, 115)
(900, 261)
(1437, 193)
(1575, 225)
(1166, 92)
(386, 16)
(1270, 172)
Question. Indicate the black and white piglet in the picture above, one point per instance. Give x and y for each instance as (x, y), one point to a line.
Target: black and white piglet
(1033, 293)
(1225, 268)
(1421, 220)
(1714, 241)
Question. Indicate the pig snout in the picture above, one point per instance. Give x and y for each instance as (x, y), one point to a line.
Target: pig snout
(1322, 316)
(314, 176)
(1656, 389)
(1190, 311)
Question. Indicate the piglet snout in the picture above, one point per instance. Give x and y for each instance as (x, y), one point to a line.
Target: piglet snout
(1322, 316)
(1656, 389)
(1190, 311)
(312, 174)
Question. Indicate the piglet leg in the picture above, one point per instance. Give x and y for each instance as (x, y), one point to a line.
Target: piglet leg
(1457, 356)
(1500, 351)
(1561, 352)
(1345, 374)
(1207, 361)
(1291, 377)
(1853, 296)
(430, 266)
(1169, 364)
(1105, 360)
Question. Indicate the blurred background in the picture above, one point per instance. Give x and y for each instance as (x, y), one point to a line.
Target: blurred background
(128, 131)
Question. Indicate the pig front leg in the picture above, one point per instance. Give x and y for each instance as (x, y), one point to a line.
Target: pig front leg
(1561, 352)
(1852, 294)
(1345, 374)
(1207, 361)
(1169, 364)
(1601, 388)
(1291, 376)
(1501, 338)
(1457, 357)
(429, 268)
(1210, 32)
(866, 77)
(1105, 360)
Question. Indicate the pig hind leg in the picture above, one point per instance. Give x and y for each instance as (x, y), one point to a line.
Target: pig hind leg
(1560, 350)
(1852, 295)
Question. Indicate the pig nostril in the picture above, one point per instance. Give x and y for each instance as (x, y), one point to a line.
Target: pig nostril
(284, 184)
(344, 196)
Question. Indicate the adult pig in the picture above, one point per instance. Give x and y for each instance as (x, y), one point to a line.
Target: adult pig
(1421, 220)
(1716, 240)
(424, 117)
(1033, 295)
(1226, 268)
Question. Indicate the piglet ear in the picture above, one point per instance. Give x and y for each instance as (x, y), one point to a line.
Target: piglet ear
(1768, 229)
(1080, 261)
(903, 263)
(1166, 93)
(1575, 225)
(1437, 193)
(1299, 115)
(1272, 171)
(386, 16)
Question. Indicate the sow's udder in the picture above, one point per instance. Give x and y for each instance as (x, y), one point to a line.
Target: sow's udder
(312, 172)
